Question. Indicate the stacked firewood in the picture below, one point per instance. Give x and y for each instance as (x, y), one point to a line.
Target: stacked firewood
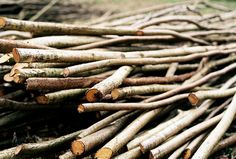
(157, 82)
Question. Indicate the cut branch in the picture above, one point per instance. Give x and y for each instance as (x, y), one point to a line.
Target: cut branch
(59, 96)
(198, 97)
(101, 89)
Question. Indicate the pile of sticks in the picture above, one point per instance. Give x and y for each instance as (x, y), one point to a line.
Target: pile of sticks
(158, 82)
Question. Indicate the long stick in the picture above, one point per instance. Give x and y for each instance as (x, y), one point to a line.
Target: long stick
(87, 107)
(59, 29)
(37, 55)
(138, 90)
(140, 61)
(36, 83)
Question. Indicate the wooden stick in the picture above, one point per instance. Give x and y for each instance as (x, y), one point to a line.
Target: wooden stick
(21, 34)
(60, 83)
(55, 72)
(137, 61)
(123, 39)
(6, 45)
(22, 74)
(36, 83)
(18, 66)
(57, 28)
(139, 90)
(63, 41)
(87, 107)
(101, 89)
(198, 97)
(37, 55)
(56, 97)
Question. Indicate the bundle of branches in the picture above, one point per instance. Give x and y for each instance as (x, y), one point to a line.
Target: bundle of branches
(157, 82)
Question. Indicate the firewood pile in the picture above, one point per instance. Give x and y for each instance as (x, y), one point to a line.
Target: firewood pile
(156, 82)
